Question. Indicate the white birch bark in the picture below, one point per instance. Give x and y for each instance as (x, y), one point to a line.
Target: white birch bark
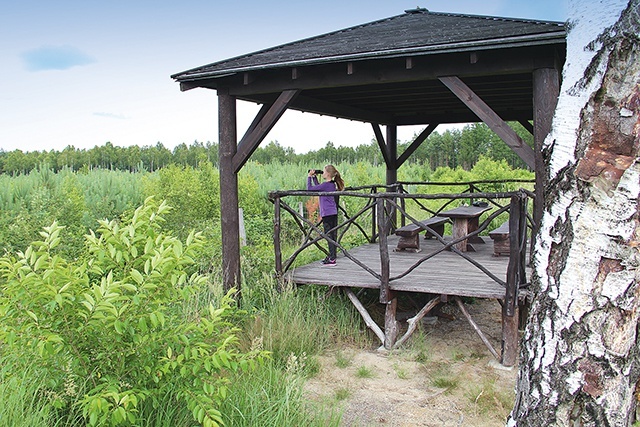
(580, 360)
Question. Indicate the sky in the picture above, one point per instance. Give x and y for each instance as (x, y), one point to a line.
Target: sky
(83, 73)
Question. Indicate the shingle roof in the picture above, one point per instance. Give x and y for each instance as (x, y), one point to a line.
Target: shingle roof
(415, 32)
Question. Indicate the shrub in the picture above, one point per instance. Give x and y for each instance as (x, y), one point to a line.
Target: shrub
(120, 327)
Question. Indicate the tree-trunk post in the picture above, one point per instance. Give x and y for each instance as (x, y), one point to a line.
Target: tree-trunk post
(386, 295)
(392, 168)
(546, 88)
(374, 217)
(510, 316)
(276, 236)
(229, 191)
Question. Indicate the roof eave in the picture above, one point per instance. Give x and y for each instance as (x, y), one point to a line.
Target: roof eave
(503, 43)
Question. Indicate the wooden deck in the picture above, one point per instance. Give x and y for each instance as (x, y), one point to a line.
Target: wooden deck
(444, 274)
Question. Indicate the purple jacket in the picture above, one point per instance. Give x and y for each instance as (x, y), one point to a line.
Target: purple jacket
(327, 203)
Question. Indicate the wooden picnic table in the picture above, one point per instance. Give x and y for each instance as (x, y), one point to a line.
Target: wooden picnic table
(465, 221)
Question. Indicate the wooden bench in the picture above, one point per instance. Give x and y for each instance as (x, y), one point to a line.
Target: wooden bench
(410, 234)
(500, 237)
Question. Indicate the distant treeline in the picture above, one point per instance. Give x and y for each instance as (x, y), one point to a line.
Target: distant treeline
(452, 148)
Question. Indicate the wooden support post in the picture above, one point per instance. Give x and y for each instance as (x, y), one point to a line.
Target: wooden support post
(476, 328)
(371, 324)
(390, 324)
(392, 167)
(228, 191)
(414, 321)
(509, 338)
(546, 89)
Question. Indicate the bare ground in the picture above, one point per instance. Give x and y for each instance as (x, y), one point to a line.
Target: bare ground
(444, 376)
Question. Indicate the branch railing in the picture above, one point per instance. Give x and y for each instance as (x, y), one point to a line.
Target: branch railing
(380, 208)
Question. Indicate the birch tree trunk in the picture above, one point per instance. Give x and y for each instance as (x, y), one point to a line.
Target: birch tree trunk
(579, 361)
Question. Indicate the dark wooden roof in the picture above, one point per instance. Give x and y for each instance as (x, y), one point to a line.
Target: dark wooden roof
(387, 71)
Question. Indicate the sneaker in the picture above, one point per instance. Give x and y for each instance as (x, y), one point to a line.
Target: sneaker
(329, 262)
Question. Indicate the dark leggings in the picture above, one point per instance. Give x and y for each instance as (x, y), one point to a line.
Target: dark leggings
(331, 221)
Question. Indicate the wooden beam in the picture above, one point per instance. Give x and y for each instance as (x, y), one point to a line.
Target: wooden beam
(490, 118)
(381, 143)
(527, 125)
(314, 105)
(260, 127)
(387, 71)
(416, 143)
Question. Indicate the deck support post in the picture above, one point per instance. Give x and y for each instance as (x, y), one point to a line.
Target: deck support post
(414, 321)
(371, 324)
(515, 275)
(509, 338)
(475, 327)
(390, 324)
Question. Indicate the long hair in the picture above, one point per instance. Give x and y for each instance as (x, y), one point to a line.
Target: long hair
(335, 176)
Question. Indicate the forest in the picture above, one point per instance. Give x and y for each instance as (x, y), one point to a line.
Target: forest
(111, 283)
(452, 148)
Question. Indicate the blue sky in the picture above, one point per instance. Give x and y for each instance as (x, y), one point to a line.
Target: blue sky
(86, 72)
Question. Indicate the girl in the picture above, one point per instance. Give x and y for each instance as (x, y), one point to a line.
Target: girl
(328, 205)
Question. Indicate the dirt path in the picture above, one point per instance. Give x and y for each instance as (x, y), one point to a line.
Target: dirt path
(445, 376)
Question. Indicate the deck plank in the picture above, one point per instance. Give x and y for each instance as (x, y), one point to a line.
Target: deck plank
(445, 274)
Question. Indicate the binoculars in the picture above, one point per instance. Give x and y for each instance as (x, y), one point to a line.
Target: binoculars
(316, 171)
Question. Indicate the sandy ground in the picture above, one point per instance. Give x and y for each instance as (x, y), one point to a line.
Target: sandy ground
(444, 376)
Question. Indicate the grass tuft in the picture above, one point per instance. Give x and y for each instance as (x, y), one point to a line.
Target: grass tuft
(270, 397)
(364, 372)
(342, 360)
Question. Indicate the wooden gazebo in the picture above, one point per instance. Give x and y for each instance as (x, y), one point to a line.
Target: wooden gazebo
(417, 68)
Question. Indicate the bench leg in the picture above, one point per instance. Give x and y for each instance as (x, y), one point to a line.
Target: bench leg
(411, 243)
(439, 228)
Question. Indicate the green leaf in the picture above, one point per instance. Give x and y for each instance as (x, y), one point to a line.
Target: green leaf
(177, 249)
(137, 276)
(32, 315)
(118, 327)
(154, 319)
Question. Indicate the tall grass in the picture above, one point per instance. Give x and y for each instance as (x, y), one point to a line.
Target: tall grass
(299, 321)
(273, 397)
(20, 404)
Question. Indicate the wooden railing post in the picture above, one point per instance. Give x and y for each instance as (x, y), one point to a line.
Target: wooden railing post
(386, 295)
(277, 226)
(383, 227)
(374, 216)
(510, 319)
